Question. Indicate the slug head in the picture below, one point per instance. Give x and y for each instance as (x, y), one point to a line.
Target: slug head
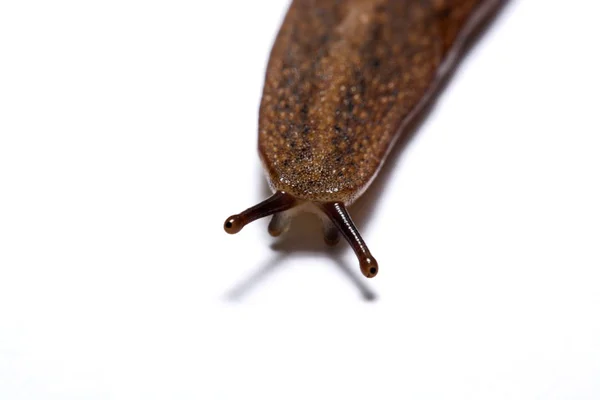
(338, 221)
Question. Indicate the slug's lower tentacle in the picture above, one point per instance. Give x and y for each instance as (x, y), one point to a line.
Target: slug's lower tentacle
(339, 216)
(280, 201)
(279, 224)
(331, 233)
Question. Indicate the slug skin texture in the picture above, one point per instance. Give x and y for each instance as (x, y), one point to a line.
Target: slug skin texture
(342, 79)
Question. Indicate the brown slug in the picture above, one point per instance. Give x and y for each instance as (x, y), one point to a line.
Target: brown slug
(344, 79)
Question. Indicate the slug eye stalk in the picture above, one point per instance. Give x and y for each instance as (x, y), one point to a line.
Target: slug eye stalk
(339, 216)
(280, 201)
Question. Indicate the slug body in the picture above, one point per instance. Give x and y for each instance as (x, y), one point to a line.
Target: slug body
(344, 79)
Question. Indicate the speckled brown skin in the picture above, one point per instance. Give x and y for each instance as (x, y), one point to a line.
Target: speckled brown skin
(344, 78)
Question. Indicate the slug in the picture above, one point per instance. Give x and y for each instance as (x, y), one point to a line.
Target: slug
(344, 79)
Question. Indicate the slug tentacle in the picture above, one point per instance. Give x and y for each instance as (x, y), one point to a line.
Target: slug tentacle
(280, 201)
(279, 224)
(331, 233)
(339, 216)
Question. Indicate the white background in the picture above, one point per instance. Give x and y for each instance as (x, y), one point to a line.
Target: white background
(128, 133)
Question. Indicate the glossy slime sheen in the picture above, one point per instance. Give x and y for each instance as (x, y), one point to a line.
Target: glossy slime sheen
(344, 79)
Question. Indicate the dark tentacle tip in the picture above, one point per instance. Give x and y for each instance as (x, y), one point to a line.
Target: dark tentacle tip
(279, 224)
(331, 242)
(331, 238)
(274, 232)
(233, 224)
(369, 267)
